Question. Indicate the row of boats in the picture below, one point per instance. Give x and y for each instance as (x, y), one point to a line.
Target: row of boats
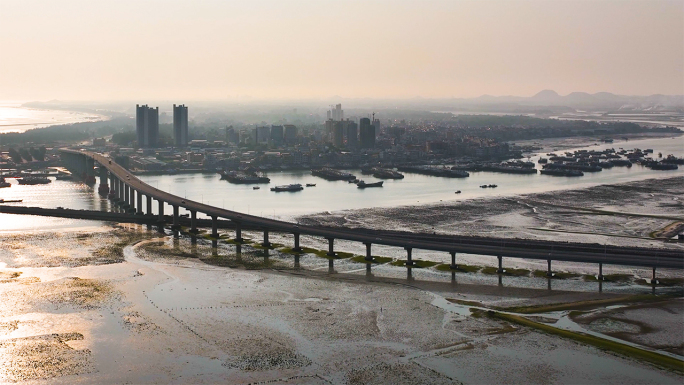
(298, 187)
(25, 181)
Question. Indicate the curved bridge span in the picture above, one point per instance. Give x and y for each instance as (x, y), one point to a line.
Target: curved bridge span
(125, 187)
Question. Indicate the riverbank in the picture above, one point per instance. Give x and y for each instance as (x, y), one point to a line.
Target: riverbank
(155, 309)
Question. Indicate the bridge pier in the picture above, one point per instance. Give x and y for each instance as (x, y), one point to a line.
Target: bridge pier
(653, 277)
(140, 204)
(149, 205)
(453, 260)
(131, 195)
(600, 275)
(500, 270)
(266, 243)
(238, 233)
(127, 199)
(296, 247)
(161, 211)
(548, 270)
(409, 261)
(120, 191)
(214, 226)
(176, 217)
(368, 257)
(193, 222)
(331, 247)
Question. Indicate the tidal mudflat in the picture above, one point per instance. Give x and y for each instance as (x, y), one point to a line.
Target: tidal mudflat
(130, 305)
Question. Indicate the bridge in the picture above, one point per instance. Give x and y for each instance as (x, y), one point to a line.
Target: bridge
(128, 191)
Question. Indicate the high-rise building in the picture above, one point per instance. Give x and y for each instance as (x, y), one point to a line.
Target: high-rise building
(277, 135)
(352, 134)
(366, 133)
(338, 133)
(262, 134)
(336, 113)
(147, 125)
(180, 125)
(290, 134)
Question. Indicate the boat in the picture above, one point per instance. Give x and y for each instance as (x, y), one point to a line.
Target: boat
(330, 174)
(256, 188)
(11, 200)
(4, 183)
(542, 161)
(62, 176)
(33, 180)
(561, 172)
(311, 185)
(457, 192)
(289, 187)
(238, 177)
(492, 186)
(484, 186)
(363, 184)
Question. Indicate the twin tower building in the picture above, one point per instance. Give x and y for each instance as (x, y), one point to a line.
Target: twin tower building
(147, 125)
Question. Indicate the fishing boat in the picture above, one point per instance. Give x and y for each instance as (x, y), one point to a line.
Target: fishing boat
(289, 187)
(363, 184)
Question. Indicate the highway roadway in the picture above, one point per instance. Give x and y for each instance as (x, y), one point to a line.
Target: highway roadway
(559, 251)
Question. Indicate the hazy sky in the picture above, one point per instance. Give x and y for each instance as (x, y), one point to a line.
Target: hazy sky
(201, 49)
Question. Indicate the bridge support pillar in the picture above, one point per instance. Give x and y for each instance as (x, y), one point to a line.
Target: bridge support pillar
(453, 260)
(548, 270)
(238, 233)
(120, 191)
(131, 195)
(500, 269)
(331, 247)
(600, 275)
(296, 247)
(409, 261)
(368, 257)
(214, 226)
(176, 216)
(126, 199)
(140, 204)
(653, 277)
(161, 211)
(149, 205)
(266, 243)
(193, 222)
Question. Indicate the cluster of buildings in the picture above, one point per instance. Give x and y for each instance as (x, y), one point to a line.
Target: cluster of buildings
(147, 126)
(347, 133)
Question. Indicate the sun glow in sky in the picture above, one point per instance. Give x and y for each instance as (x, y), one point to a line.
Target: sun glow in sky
(211, 49)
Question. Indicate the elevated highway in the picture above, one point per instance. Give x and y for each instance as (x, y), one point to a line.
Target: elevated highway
(127, 189)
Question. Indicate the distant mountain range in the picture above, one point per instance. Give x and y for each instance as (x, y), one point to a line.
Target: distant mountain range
(605, 100)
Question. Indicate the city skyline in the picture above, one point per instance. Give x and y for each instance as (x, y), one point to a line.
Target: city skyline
(295, 50)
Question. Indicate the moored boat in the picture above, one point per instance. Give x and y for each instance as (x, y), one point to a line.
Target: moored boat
(289, 187)
(363, 184)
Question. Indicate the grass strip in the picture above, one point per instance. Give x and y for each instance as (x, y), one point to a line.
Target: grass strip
(461, 268)
(587, 304)
(601, 343)
(417, 263)
(376, 259)
(556, 275)
(510, 272)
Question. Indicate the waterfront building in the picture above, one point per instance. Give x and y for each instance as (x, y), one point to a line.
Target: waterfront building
(338, 133)
(277, 135)
(147, 125)
(366, 133)
(180, 125)
(262, 134)
(352, 134)
(290, 134)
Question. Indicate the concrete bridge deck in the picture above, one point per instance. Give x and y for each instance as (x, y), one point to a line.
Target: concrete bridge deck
(126, 186)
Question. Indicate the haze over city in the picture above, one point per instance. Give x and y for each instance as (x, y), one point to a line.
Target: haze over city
(342, 192)
(269, 49)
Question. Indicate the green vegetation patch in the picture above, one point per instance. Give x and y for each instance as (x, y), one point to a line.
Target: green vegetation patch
(376, 259)
(460, 268)
(626, 350)
(417, 263)
(289, 250)
(556, 275)
(510, 272)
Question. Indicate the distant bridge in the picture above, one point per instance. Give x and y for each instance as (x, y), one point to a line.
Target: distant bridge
(126, 189)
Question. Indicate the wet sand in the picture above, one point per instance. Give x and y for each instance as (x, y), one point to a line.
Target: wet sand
(156, 309)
